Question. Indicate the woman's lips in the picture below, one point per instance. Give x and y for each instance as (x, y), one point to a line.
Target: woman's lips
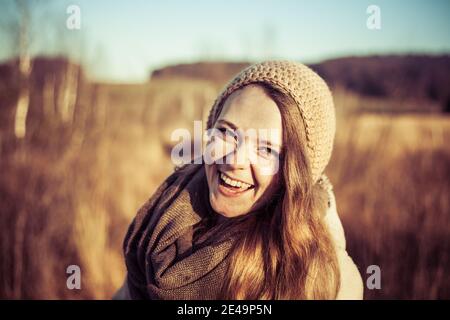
(229, 190)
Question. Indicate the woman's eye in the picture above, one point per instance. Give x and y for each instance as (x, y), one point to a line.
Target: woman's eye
(222, 130)
(265, 150)
(227, 133)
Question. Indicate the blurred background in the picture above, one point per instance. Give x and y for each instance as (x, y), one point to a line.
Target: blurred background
(91, 91)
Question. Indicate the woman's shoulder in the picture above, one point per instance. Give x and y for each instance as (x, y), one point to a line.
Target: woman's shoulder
(123, 293)
(332, 219)
(351, 281)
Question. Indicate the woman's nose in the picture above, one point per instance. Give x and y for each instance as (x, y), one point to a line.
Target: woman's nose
(240, 157)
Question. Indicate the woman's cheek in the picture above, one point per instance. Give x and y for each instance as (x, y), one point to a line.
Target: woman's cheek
(265, 181)
(269, 168)
(215, 150)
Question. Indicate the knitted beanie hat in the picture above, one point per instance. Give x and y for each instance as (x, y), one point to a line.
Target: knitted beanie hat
(308, 90)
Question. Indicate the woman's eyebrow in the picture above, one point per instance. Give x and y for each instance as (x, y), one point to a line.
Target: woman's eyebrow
(228, 123)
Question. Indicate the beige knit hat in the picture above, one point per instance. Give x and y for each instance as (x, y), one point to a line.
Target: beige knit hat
(311, 94)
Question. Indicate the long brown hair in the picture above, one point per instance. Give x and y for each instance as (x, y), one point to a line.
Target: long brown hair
(285, 251)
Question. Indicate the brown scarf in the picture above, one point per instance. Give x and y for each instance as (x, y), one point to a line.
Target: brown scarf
(177, 246)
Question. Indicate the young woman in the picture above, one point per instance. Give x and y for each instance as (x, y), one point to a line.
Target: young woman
(258, 220)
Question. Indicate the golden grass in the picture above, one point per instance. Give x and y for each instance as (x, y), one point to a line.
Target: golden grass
(391, 176)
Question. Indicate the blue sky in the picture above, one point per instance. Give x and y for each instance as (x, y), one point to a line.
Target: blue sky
(124, 40)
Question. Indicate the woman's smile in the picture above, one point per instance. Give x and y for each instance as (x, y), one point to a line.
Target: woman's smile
(231, 187)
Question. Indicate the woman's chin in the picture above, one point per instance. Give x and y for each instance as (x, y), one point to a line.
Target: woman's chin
(225, 208)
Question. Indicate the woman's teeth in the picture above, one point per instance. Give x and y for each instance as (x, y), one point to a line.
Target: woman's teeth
(234, 183)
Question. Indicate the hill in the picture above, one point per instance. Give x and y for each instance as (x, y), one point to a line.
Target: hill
(418, 78)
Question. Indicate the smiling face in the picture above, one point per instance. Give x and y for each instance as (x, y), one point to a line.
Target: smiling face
(242, 183)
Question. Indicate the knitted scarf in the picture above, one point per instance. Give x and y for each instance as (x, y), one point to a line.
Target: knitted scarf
(177, 246)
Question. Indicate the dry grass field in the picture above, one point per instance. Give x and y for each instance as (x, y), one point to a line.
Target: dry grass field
(68, 193)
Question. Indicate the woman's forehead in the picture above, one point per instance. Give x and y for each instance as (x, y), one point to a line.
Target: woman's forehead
(251, 108)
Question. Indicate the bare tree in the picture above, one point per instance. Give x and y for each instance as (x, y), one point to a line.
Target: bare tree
(20, 24)
(68, 43)
(22, 28)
